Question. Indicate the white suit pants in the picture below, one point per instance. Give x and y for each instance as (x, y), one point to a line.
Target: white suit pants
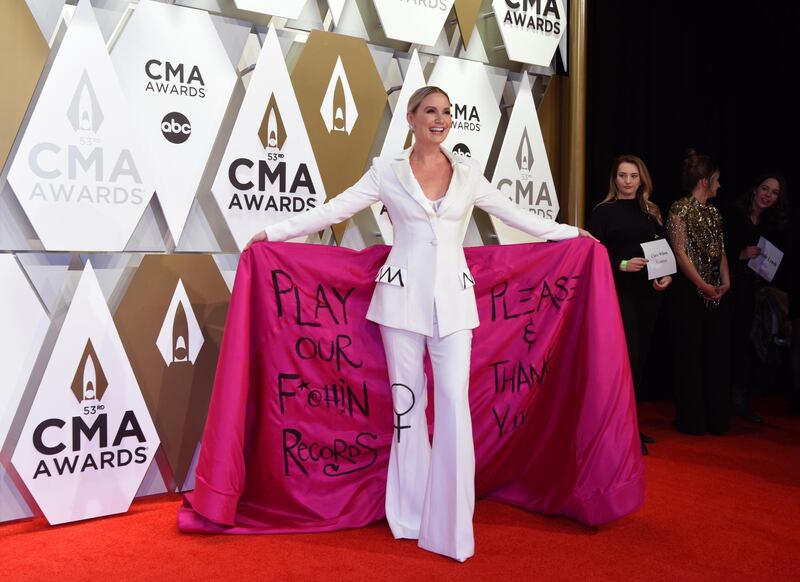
(430, 491)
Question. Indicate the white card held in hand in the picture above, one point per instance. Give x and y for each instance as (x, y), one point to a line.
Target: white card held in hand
(660, 260)
(766, 264)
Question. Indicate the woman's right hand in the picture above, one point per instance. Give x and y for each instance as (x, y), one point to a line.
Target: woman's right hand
(709, 292)
(634, 265)
(257, 237)
(749, 253)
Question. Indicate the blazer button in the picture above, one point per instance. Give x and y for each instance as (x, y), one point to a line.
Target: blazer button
(434, 242)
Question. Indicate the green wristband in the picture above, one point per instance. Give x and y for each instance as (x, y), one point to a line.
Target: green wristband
(623, 265)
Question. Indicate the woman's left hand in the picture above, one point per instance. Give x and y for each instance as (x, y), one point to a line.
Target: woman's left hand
(722, 289)
(586, 233)
(661, 283)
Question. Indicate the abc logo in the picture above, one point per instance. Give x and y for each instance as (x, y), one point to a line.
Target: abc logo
(176, 127)
(462, 150)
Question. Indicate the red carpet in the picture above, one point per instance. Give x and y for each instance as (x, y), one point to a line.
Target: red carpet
(718, 508)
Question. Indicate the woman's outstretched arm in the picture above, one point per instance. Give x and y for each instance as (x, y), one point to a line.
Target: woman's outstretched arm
(357, 197)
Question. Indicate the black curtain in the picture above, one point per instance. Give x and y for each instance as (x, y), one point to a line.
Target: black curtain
(665, 76)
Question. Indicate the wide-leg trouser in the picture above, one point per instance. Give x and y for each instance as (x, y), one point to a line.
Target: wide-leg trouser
(430, 491)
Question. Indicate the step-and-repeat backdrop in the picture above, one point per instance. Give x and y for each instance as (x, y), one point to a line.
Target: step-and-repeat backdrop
(143, 143)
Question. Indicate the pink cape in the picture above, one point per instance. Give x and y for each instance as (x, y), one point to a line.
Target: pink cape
(299, 427)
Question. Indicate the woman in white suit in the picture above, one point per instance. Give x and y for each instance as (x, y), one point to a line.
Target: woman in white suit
(424, 298)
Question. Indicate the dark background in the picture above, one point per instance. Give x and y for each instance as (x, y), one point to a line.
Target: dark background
(665, 76)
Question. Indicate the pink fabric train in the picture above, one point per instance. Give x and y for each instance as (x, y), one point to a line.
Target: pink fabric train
(298, 431)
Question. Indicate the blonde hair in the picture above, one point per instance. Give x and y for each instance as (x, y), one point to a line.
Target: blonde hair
(419, 95)
(645, 185)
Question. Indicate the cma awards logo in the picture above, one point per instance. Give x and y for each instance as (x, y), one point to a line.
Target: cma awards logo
(272, 132)
(465, 117)
(180, 338)
(63, 448)
(524, 155)
(89, 384)
(271, 172)
(84, 111)
(338, 108)
(525, 194)
(174, 79)
(84, 171)
(535, 15)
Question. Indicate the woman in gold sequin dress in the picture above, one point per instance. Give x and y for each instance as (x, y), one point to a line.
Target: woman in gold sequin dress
(699, 318)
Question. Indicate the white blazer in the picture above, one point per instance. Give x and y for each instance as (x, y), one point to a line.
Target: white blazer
(426, 265)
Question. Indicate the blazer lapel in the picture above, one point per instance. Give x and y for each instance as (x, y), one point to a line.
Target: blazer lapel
(457, 182)
(402, 169)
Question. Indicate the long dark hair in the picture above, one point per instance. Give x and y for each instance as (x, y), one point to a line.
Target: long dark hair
(696, 167)
(776, 215)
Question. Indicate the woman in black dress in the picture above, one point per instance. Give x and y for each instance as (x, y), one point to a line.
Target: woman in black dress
(624, 220)
(699, 319)
(761, 211)
(794, 309)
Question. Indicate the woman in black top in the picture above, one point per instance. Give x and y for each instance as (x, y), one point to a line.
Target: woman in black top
(794, 308)
(762, 211)
(624, 220)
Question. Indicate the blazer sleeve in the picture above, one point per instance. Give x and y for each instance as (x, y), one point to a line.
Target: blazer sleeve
(488, 198)
(357, 197)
